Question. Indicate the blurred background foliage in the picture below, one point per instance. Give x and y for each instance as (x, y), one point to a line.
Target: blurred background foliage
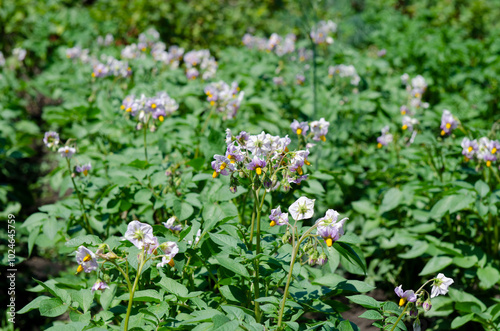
(453, 43)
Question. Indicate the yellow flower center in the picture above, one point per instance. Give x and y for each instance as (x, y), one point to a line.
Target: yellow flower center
(122, 107)
(258, 170)
(79, 269)
(273, 223)
(494, 150)
(402, 301)
(66, 151)
(448, 125)
(329, 242)
(161, 118)
(404, 127)
(299, 171)
(85, 172)
(379, 145)
(299, 131)
(93, 74)
(215, 174)
(212, 103)
(470, 149)
(443, 133)
(153, 105)
(128, 110)
(403, 112)
(171, 263)
(223, 166)
(323, 138)
(466, 159)
(307, 162)
(488, 163)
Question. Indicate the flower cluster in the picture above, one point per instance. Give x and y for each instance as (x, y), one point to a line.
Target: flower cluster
(261, 158)
(486, 150)
(172, 57)
(276, 43)
(345, 71)
(141, 236)
(448, 123)
(319, 129)
(144, 108)
(328, 227)
(200, 62)
(107, 40)
(19, 53)
(226, 99)
(110, 67)
(320, 34)
(421, 297)
(415, 88)
(78, 53)
(385, 137)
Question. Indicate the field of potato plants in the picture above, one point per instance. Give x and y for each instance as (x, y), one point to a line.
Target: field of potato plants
(250, 165)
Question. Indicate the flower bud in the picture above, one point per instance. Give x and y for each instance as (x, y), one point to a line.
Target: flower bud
(427, 305)
(322, 259)
(138, 126)
(287, 238)
(152, 128)
(233, 189)
(311, 261)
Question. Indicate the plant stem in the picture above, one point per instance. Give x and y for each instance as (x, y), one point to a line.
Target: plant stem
(207, 120)
(292, 262)
(132, 292)
(89, 229)
(145, 143)
(400, 317)
(257, 252)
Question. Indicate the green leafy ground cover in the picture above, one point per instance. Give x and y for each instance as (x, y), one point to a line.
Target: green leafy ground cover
(420, 200)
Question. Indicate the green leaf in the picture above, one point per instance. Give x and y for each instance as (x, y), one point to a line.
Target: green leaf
(144, 295)
(32, 239)
(435, 264)
(233, 293)
(34, 304)
(419, 248)
(143, 196)
(52, 307)
(482, 188)
(174, 287)
(488, 276)
(182, 210)
(232, 265)
(461, 320)
(350, 257)
(391, 200)
(371, 315)
(87, 239)
(365, 301)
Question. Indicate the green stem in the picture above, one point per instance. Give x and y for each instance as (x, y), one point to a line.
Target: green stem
(82, 206)
(124, 275)
(292, 262)
(136, 281)
(145, 142)
(207, 120)
(400, 317)
(257, 252)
